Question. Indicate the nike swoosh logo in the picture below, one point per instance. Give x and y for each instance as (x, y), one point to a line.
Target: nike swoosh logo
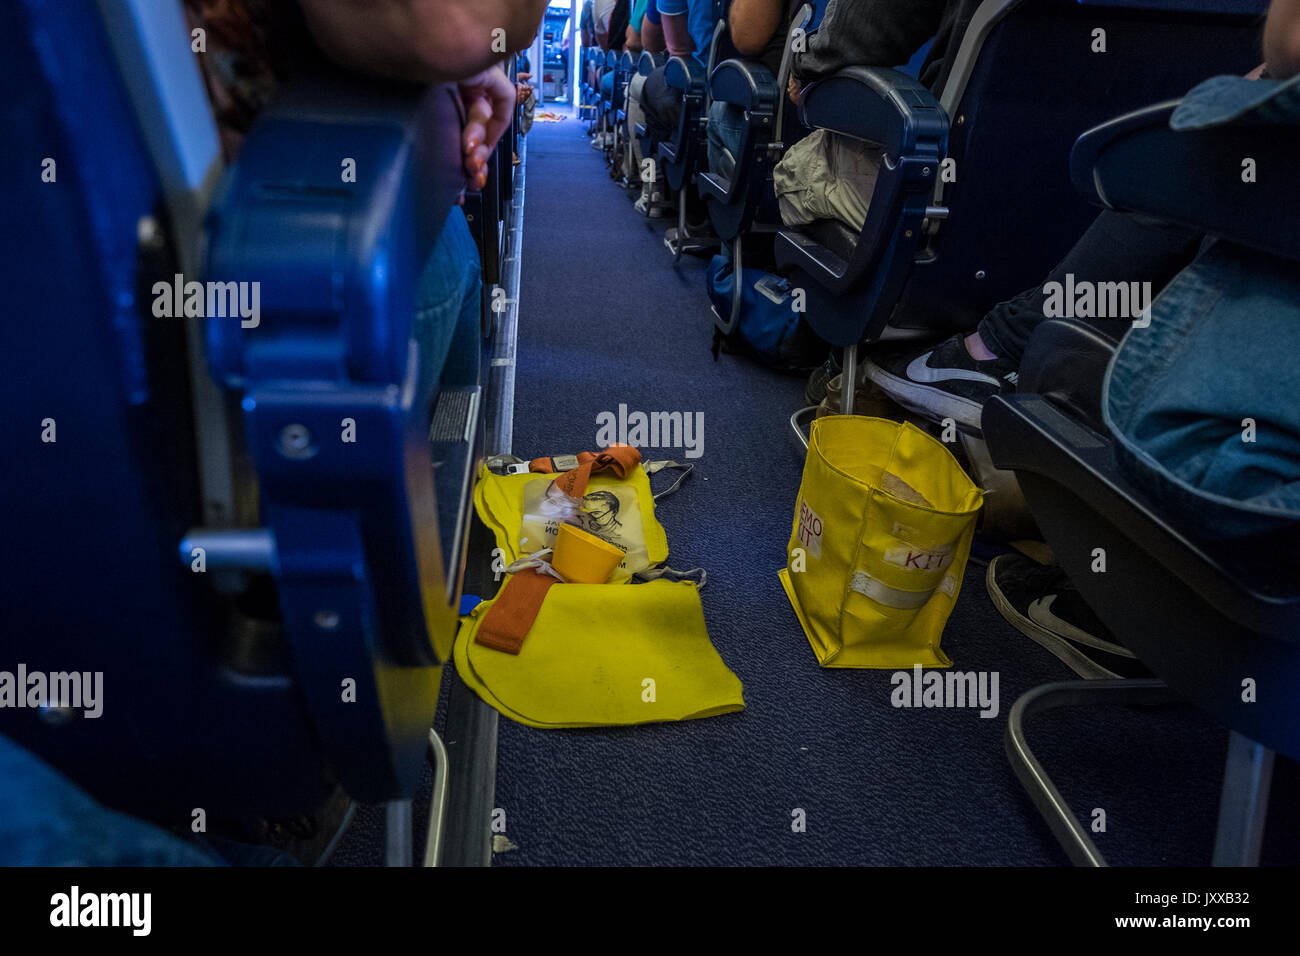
(918, 371)
(1040, 612)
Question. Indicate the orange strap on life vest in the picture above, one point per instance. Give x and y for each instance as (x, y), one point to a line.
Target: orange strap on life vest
(619, 459)
(511, 616)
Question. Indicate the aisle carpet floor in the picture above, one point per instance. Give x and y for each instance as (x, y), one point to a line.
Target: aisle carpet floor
(606, 318)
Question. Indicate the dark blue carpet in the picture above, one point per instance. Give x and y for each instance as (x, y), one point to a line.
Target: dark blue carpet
(607, 319)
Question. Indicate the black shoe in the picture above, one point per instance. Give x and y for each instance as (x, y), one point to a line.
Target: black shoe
(1039, 601)
(816, 388)
(944, 381)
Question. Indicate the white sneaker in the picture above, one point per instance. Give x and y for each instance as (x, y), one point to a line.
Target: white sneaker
(655, 205)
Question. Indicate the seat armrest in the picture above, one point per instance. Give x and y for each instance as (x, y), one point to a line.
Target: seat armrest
(1202, 181)
(1026, 433)
(283, 216)
(890, 109)
(648, 62)
(745, 83)
(877, 105)
(686, 74)
(1065, 361)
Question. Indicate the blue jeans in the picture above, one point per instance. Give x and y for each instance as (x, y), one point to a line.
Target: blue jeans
(1202, 404)
(448, 309)
(47, 820)
(726, 132)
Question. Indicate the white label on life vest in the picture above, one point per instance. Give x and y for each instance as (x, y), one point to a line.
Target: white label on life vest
(809, 531)
(920, 559)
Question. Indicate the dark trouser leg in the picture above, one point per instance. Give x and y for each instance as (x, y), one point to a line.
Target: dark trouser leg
(1118, 247)
(662, 105)
(726, 132)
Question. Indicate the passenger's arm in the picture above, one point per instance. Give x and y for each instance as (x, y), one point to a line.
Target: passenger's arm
(867, 33)
(1282, 39)
(424, 41)
(752, 23)
(677, 34)
(652, 36)
(489, 100)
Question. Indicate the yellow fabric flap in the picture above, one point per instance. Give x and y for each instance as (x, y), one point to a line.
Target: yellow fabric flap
(599, 655)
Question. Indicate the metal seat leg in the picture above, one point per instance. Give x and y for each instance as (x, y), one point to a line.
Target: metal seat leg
(1243, 805)
(1067, 829)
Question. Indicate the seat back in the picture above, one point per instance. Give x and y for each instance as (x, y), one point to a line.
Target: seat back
(224, 629)
(1202, 611)
(1193, 623)
(1028, 78)
(683, 154)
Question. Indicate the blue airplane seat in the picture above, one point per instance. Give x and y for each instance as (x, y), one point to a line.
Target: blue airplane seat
(1200, 620)
(685, 152)
(195, 528)
(1002, 212)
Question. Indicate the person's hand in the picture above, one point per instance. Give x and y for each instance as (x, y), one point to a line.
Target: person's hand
(1256, 73)
(523, 89)
(792, 88)
(489, 99)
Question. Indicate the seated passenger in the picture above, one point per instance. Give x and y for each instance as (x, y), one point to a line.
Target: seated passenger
(645, 32)
(954, 378)
(827, 176)
(525, 96)
(868, 34)
(611, 18)
(688, 31)
(1178, 402)
(758, 30)
(410, 40)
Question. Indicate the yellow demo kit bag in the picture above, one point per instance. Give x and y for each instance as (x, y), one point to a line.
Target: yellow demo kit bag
(882, 530)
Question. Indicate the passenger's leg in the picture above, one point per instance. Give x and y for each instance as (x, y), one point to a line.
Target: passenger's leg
(955, 378)
(726, 130)
(635, 115)
(1117, 247)
(662, 105)
(447, 311)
